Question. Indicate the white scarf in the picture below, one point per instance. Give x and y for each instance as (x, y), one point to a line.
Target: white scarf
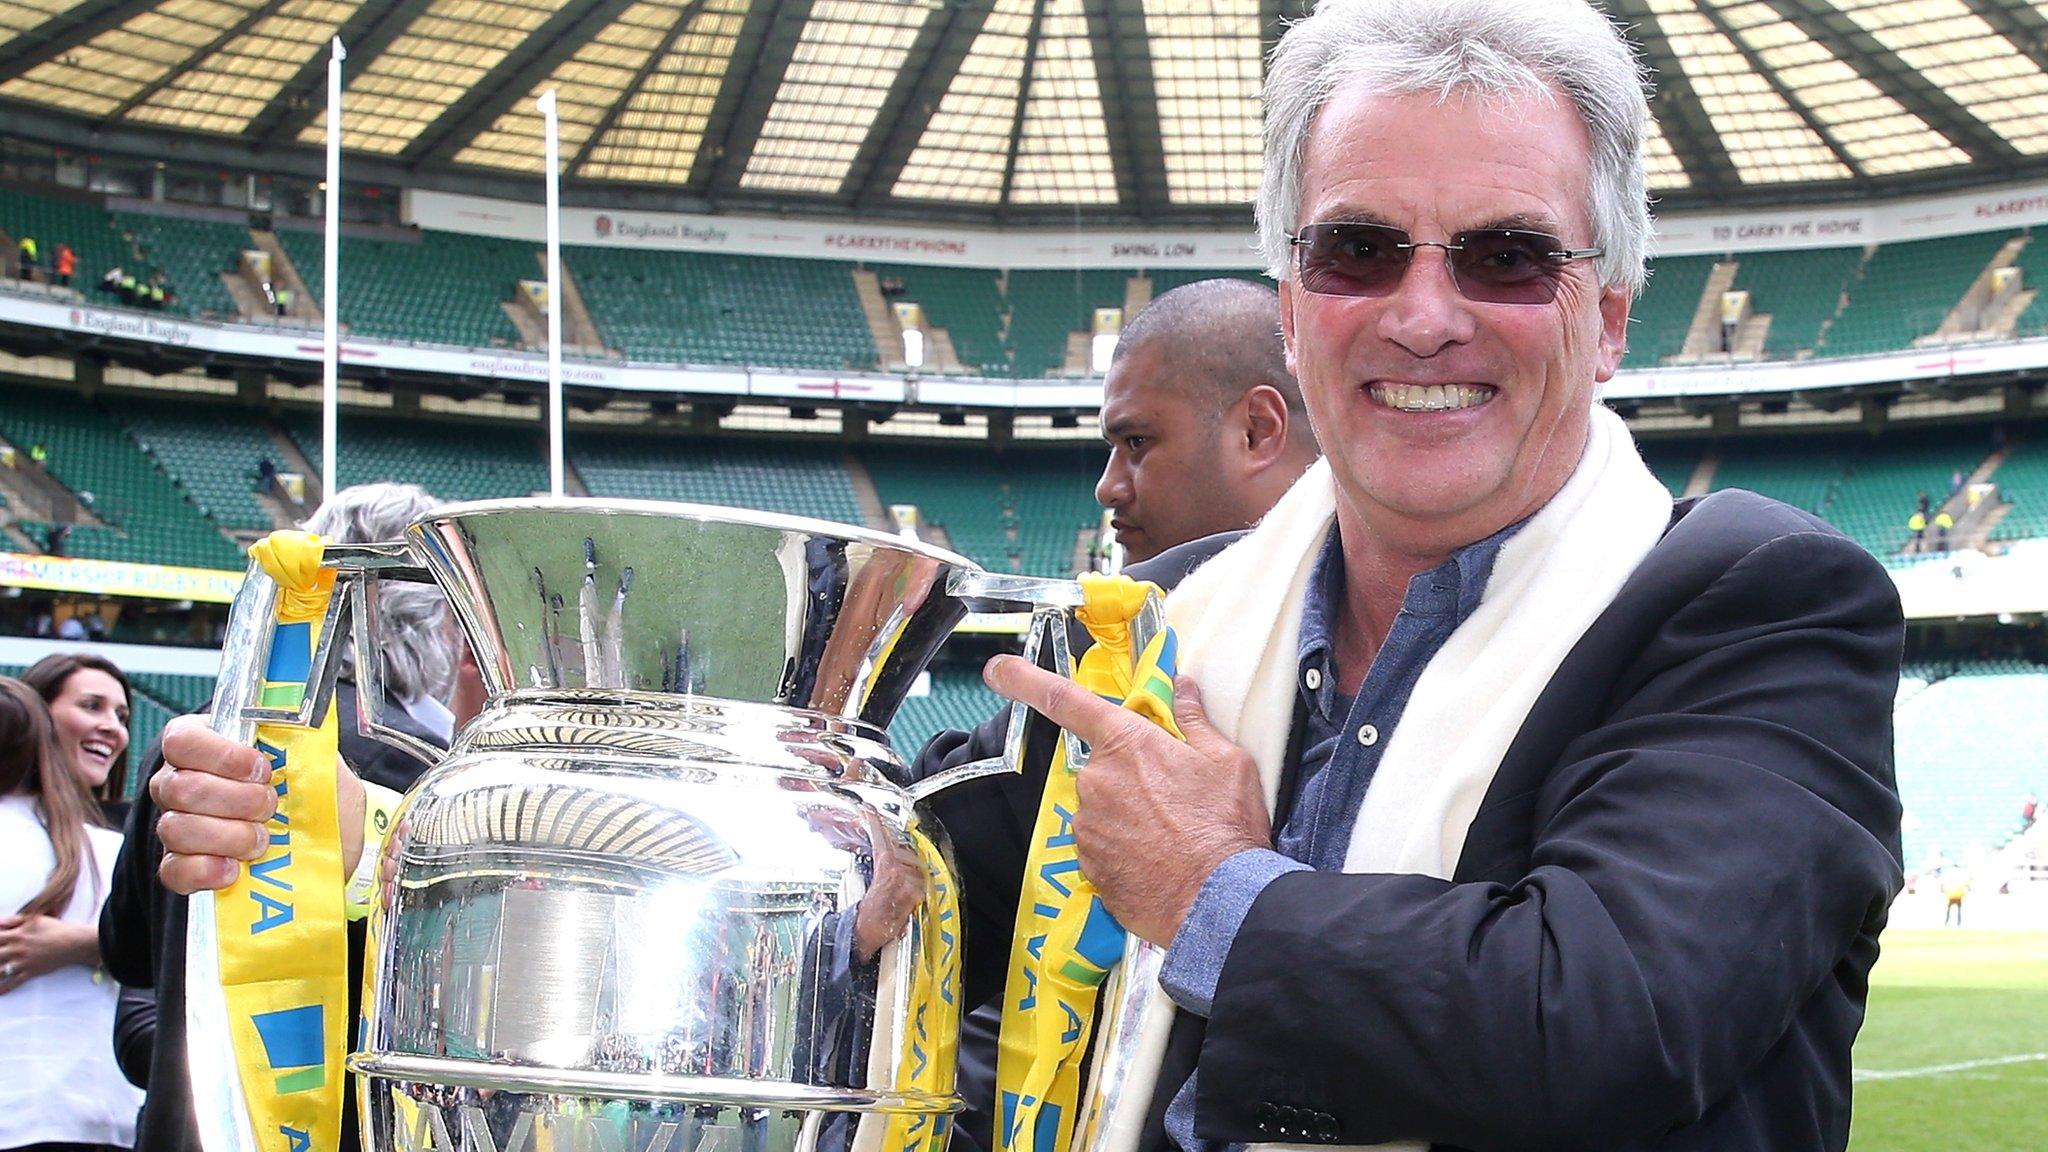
(1239, 620)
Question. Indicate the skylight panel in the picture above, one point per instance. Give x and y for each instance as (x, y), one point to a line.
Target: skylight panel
(1665, 173)
(1063, 150)
(658, 133)
(104, 73)
(1953, 47)
(586, 85)
(228, 88)
(964, 149)
(1880, 136)
(440, 56)
(1207, 74)
(846, 59)
(19, 16)
(1765, 138)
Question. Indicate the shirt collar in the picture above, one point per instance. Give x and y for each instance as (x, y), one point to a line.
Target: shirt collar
(1454, 588)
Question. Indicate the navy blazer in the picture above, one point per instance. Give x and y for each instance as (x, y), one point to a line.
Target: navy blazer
(1663, 921)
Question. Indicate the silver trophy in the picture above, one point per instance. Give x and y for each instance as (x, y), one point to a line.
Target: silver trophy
(672, 891)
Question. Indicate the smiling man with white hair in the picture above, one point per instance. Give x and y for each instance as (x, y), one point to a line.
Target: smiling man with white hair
(1519, 808)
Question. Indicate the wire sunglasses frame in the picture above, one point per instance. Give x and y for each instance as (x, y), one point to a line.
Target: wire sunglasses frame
(1488, 265)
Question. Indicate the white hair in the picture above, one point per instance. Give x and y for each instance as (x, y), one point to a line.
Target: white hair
(1487, 48)
(416, 640)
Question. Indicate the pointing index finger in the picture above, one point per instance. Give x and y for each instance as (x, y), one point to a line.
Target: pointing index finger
(1062, 701)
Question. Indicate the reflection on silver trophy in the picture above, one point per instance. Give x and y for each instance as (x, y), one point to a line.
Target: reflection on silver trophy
(672, 891)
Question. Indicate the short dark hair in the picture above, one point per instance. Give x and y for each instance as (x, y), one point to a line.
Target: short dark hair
(1220, 335)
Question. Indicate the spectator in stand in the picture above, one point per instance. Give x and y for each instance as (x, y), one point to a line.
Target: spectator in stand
(59, 1087)
(89, 701)
(26, 255)
(1917, 525)
(111, 282)
(66, 264)
(1942, 523)
(2028, 809)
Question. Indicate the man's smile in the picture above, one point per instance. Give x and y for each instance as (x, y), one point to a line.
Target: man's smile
(1429, 397)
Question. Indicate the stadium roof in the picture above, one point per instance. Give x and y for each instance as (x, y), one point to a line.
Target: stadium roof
(1123, 110)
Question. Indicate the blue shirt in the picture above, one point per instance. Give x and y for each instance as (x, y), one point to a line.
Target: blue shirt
(1340, 748)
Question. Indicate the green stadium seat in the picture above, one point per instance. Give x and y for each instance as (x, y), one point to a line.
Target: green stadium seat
(1970, 746)
(1802, 291)
(445, 289)
(78, 222)
(958, 699)
(150, 519)
(1662, 315)
(192, 254)
(1014, 512)
(2023, 480)
(702, 308)
(1906, 290)
(789, 478)
(466, 462)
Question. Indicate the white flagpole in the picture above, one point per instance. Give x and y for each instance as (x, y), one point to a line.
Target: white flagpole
(552, 130)
(330, 305)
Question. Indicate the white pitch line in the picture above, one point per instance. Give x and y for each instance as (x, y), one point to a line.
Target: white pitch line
(1944, 1069)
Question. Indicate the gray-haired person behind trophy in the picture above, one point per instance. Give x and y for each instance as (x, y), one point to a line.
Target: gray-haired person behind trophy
(142, 927)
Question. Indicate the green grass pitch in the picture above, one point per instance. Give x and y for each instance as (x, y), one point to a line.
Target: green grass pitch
(1954, 1054)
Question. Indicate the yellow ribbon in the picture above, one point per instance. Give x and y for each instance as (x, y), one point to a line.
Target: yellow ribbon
(1066, 942)
(283, 944)
(932, 1039)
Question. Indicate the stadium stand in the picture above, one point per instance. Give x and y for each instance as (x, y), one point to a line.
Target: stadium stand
(1662, 315)
(1865, 487)
(966, 302)
(476, 462)
(397, 290)
(1906, 290)
(958, 699)
(150, 519)
(1672, 461)
(2023, 480)
(1801, 291)
(211, 454)
(1970, 745)
(192, 254)
(794, 479)
(701, 308)
(1018, 511)
(53, 220)
(1045, 306)
(1165, 280)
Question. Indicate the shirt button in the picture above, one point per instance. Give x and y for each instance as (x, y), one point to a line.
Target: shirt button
(1368, 735)
(1313, 678)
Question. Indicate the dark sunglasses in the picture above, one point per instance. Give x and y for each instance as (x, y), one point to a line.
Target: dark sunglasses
(1489, 265)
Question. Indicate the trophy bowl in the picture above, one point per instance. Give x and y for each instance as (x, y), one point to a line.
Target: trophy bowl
(671, 891)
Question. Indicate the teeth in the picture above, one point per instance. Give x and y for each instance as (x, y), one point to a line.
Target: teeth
(1431, 397)
(99, 749)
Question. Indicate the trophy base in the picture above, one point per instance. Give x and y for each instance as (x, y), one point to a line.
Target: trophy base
(682, 1114)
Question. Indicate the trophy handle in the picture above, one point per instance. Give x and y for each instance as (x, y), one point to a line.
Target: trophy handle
(1051, 604)
(220, 1109)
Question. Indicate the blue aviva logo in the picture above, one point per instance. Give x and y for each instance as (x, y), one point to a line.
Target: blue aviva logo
(295, 1043)
(290, 666)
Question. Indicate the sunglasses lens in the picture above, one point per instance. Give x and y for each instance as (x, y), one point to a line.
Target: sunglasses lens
(1507, 266)
(1352, 259)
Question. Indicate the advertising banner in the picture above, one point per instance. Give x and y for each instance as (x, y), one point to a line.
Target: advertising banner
(114, 578)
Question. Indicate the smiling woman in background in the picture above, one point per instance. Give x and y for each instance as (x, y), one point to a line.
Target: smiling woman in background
(88, 699)
(58, 1084)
